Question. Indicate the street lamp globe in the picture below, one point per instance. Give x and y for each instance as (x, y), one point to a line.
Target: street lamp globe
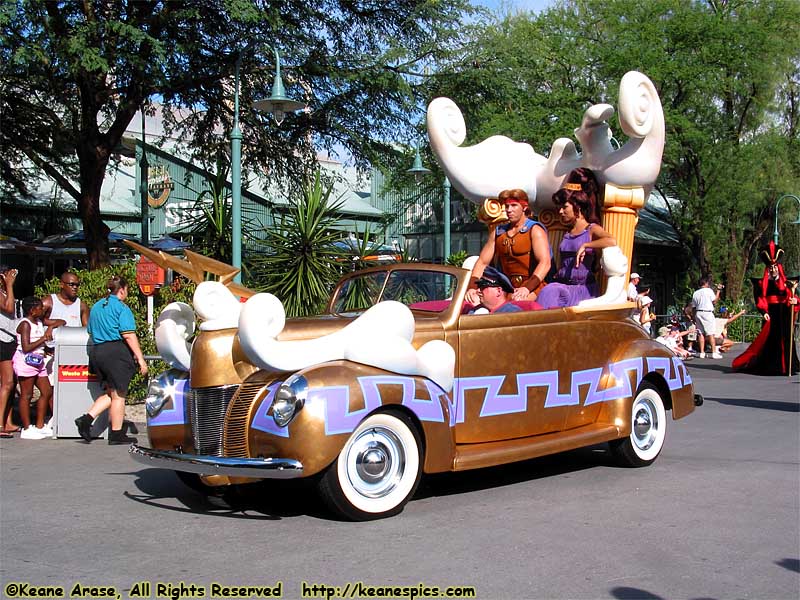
(417, 170)
(278, 104)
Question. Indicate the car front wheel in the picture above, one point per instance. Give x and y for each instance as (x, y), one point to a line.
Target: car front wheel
(648, 430)
(377, 471)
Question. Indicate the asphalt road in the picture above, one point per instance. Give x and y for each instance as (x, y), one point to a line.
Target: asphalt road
(717, 516)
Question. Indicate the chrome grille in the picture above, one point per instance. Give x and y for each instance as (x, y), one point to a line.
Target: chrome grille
(207, 415)
(236, 425)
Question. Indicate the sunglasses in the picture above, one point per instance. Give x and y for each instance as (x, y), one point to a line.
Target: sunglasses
(73, 284)
(485, 283)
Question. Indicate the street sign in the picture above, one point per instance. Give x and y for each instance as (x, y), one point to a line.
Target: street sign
(149, 276)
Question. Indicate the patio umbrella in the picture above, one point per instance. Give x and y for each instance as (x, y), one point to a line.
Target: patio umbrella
(78, 237)
(168, 244)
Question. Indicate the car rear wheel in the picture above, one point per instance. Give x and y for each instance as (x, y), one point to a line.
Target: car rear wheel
(377, 471)
(648, 430)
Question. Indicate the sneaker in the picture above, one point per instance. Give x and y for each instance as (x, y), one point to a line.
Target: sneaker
(702, 355)
(47, 430)
(33, 433)
(716, 355)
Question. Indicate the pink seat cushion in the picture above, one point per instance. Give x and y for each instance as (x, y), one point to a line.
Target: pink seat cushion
(431, 305)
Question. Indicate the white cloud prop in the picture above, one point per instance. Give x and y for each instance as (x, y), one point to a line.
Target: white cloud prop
(615, 266)
(498, 163)
(174, 328)
(381, 337)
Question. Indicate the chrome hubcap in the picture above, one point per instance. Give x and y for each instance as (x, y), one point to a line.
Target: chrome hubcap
(373, 463)
(645, 425)
(376, 461)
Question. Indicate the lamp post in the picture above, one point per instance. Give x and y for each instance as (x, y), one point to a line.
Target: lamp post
(777, 206)
(143, 175)
(278, 104)
(419, 172)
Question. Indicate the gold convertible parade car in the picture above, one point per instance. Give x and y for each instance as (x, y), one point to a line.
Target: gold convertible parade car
(393, 381)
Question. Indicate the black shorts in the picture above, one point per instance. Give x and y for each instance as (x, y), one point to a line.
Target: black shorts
(7, 350)
(113, 362)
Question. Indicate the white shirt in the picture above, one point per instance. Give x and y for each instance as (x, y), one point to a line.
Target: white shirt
(703, 300)
(633, 293)
(71, 313)
(669, 341)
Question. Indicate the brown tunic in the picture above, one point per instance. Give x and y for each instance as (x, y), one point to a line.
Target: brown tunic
(515, 254)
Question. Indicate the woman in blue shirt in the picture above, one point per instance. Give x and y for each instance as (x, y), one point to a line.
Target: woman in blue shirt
(113, 356)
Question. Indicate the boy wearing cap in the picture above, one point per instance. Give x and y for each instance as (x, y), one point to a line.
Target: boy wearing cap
(493, 291)
(520, 247)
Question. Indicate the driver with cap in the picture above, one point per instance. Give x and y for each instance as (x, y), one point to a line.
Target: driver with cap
(494, 289)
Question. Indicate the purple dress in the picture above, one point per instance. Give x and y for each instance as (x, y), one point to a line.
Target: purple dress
(572, 283)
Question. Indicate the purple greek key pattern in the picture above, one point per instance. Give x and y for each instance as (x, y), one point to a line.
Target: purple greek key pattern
(333, 402)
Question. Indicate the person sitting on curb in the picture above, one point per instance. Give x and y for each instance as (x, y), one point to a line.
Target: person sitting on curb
(670, 337)
(724, 343)
(494, 290)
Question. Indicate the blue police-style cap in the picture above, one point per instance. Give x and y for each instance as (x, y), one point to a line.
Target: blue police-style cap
(493, 278)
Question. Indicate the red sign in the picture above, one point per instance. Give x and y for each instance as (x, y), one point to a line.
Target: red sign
(75, 373)
(149, 276)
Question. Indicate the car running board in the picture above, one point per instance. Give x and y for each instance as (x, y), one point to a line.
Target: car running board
(489, 454)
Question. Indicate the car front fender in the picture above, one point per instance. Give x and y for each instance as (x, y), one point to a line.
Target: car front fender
(341, 394)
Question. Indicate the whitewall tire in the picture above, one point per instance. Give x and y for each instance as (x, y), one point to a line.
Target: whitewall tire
(648, 429)
(377, 471)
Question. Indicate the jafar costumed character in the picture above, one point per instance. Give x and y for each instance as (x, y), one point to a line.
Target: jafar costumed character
(773, 352)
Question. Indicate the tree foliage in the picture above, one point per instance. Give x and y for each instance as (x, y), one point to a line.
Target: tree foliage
(726, 71)
(75, 73)
(300, 265)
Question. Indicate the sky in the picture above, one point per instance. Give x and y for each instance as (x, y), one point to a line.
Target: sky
(514, 5)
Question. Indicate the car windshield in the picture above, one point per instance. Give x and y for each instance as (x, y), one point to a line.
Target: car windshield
(419, 290)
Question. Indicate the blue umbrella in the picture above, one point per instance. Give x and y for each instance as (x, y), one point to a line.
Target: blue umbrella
(75, 237)
(168, 243)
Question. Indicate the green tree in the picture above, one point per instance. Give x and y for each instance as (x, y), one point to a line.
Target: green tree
(727, 74)
(299, 266)
(75, 73)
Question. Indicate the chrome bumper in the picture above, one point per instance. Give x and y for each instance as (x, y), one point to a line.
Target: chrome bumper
(262, 468)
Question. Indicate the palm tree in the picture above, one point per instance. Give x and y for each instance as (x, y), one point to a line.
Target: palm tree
(299, 263)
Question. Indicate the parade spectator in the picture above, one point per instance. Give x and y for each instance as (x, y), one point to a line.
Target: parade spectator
(520, 248)
(724, 343)
(113, 355)
(646, 316)
(494, 289)
(31, 368)
(703, 301)
(8, 345)
(66, 304)
(577, 204)
(633, 292)
(670, 338)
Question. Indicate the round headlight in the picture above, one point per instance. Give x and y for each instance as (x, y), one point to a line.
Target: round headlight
(160, 391)
(289, 399)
